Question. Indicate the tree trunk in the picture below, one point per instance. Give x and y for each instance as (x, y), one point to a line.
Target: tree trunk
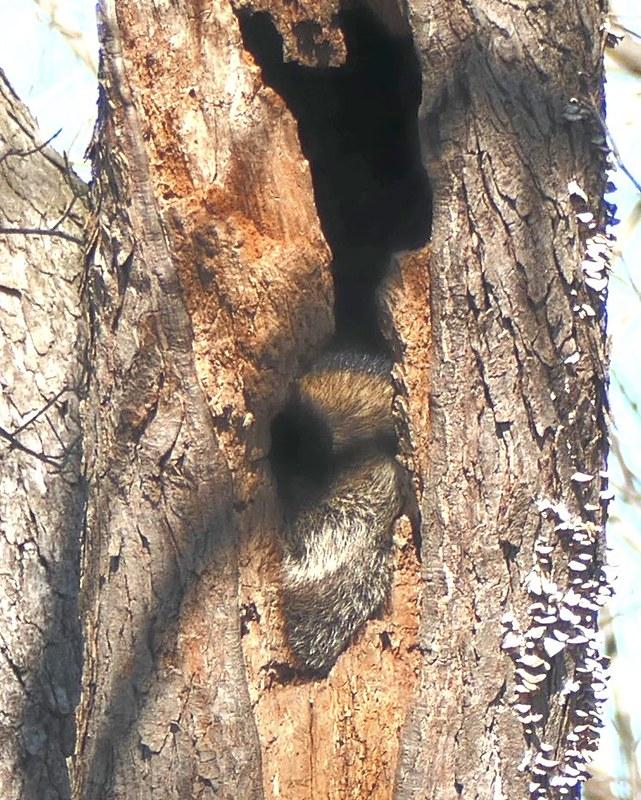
(265, 174)
(42, 351)
(165, 710)
(516, 500)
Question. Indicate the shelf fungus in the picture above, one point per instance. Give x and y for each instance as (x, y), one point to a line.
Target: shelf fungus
(555, 647)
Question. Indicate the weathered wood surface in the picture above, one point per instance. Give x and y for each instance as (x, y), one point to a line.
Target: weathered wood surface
(517, 400)
(247, 153)
(43, 339)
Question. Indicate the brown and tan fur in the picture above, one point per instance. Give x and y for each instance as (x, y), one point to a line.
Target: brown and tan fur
(333, 454)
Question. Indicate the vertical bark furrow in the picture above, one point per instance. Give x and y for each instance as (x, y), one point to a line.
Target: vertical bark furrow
(513, 419)
(260, 192)
(165, 709)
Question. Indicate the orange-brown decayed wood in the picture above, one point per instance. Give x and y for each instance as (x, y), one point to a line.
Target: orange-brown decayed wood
(236, 197)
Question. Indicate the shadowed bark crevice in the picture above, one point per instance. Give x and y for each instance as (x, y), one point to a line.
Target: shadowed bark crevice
(358, 128)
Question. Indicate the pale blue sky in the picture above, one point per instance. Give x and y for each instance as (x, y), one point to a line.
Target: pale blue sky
(58, 88)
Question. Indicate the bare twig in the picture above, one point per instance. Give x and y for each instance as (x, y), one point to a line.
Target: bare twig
(628, 490)
(39, 413)
(15, 444)
(627, 54)
(25, 153)
(43, 232)
(11, 436)
(66, 212)
(615, 152)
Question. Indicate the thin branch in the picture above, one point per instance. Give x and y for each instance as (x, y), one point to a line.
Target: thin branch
(52, 460)
(615, 150)
(53, 230)
(39, 413)
(11, 437)
(634, 406)
(43, 232)
(627, 52)
(25, 153)
(629, 489)
(617, 21)
(65, 213)
(616, 154)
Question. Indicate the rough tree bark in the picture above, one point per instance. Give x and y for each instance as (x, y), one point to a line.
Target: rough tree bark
(42, 347)
(261, 184)
(516, 491)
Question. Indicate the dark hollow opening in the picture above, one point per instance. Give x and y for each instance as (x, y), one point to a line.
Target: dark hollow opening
(358, 129)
